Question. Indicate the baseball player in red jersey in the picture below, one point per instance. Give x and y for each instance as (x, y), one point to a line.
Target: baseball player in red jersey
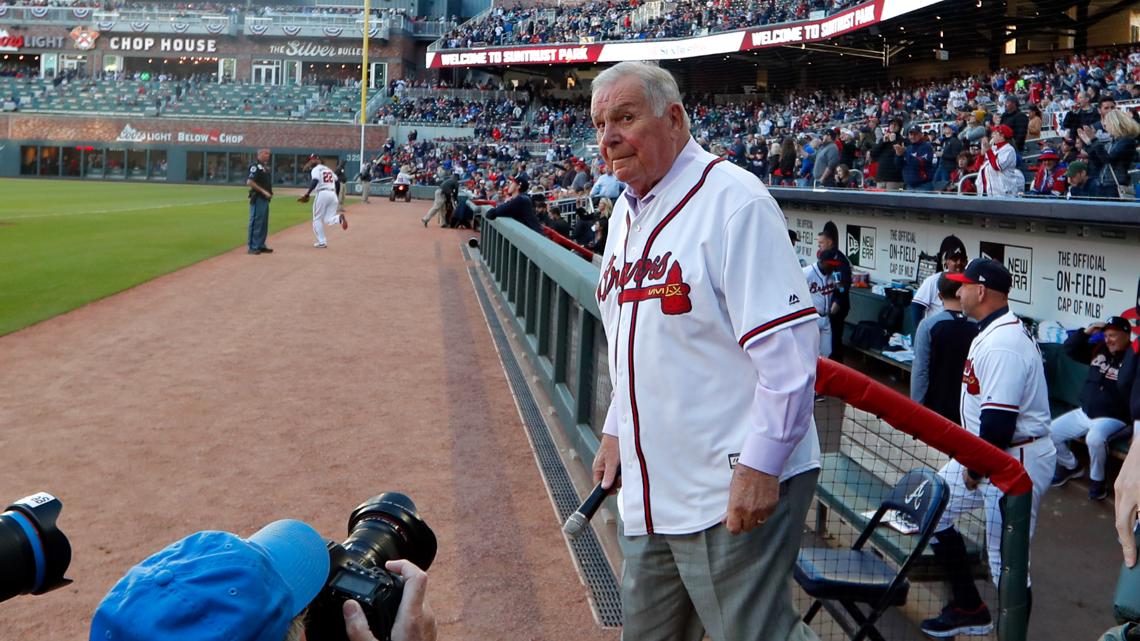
(1005, 401)
(712, 346)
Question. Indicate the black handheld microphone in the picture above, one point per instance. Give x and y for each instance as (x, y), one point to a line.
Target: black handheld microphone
(578, 520)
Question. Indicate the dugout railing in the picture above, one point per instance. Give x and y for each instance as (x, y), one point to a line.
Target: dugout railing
(872, 431)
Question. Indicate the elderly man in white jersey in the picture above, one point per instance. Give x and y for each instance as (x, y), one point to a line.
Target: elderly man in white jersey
(1005, 401)
(324, 182)
(712, 352)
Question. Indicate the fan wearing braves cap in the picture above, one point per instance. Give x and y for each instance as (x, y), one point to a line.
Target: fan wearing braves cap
(1104, 408)
(1050, 177)
(713, 345)
(999, 175)
(324, 182)
(1004, 400)
(217, 586)
(519, 206)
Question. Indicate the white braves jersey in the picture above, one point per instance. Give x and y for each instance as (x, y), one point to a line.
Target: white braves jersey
(1004, 372)
(326, 179)
(821, 288)
(701, 274)
(999, 175)
(927, 295)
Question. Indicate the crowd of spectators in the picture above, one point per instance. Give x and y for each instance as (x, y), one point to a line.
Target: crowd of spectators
(488, 114)
(598, 21)
(923, 136)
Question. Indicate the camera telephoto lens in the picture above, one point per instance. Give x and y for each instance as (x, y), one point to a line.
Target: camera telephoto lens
(383, 528)
(387, 527)
(34, 554)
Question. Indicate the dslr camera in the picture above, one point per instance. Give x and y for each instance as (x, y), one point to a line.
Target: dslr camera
(383, 528)
(33, 552)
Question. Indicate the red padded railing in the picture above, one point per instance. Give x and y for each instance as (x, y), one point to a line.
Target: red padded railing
(568, 244)
(903, 414)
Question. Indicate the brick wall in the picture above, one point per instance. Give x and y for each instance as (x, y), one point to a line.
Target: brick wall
(219, 134)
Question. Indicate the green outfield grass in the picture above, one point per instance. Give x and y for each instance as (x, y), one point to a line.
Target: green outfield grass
(64, 244)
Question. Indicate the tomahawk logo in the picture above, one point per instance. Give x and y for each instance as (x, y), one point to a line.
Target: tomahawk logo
(673, 293)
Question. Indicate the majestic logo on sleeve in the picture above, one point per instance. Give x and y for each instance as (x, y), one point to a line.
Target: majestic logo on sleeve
(973, 387)
(673, 291)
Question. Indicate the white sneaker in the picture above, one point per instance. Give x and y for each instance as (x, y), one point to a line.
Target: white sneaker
(320, 245)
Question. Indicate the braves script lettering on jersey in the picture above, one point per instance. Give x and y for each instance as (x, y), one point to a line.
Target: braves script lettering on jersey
(822, 289)
(690, 283)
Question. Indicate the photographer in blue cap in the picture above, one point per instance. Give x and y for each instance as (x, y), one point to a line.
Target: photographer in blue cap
(216, 586)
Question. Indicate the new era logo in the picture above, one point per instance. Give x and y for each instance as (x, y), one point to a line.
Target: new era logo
(793, 299)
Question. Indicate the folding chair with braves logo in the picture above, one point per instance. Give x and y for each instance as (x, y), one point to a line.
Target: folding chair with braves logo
(859, 576)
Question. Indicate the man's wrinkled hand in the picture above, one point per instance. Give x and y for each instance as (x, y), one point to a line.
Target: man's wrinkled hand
(970, 483)
(752, 498)
(607, 462)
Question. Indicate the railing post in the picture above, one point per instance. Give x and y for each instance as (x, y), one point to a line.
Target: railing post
(542, 330)
(1013, 613)
(533, 282)
(561, 334)
(584, 399)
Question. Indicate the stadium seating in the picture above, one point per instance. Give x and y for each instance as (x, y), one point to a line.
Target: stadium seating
(197, 100)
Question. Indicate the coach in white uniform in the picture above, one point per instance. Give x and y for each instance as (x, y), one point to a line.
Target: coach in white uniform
(712, 346)
(324, 183)
(1005, 401)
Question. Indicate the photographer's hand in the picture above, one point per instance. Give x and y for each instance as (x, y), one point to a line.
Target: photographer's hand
(414, 620)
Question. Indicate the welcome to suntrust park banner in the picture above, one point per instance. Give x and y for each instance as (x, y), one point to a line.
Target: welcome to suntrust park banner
(858, 17)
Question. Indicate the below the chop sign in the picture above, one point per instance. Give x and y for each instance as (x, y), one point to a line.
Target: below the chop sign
(175, 45)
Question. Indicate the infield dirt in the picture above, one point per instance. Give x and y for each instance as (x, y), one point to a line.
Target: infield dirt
(245, 389)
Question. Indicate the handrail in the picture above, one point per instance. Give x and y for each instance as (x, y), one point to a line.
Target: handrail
(962, 181)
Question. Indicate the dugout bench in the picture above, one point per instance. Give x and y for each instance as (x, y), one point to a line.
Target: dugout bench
(866, 306)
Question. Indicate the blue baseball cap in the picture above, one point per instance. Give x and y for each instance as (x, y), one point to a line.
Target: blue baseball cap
(216, 586)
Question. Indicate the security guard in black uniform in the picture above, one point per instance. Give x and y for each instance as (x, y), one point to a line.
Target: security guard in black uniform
(260, 193)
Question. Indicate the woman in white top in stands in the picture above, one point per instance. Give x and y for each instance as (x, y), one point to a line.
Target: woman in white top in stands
(953, 258)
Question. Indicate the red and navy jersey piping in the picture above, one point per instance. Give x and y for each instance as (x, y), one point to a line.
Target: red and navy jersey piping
(774, 323)
(645, 495)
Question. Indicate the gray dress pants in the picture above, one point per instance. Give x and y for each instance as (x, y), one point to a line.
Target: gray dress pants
(735, 588)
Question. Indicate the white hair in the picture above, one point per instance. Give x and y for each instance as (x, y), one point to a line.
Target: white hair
(657, 85)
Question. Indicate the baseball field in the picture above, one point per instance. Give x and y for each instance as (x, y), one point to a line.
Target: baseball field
(65, 244)
(228, 390)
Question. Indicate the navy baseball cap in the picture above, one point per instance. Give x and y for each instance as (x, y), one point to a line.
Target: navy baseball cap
(216, 586)
(1118, 322)
(983, 271)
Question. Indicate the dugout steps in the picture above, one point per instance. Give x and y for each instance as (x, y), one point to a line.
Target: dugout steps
(586, 550)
